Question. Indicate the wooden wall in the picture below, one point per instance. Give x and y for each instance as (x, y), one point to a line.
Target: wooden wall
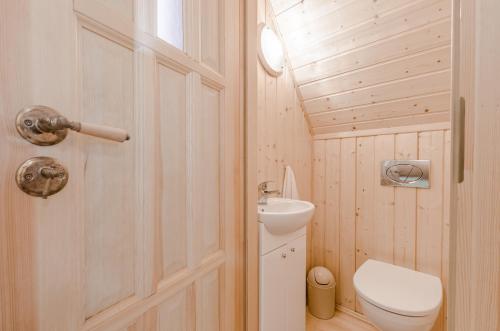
(283, 132)
(283, 135)
(358, 219)
(369, 64)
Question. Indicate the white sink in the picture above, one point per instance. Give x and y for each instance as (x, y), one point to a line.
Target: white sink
(282, 216)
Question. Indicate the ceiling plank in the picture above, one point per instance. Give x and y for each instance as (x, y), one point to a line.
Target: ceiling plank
(410, 66)
(343, 16)
(366, 64)
(280, 6)
(446, 125)
(308, 50)
(432, 103)
(385, 123)
(424, 84)
(421, 39)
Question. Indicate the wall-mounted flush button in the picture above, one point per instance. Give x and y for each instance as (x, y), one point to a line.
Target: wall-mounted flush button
(41, 176)
(405, 173)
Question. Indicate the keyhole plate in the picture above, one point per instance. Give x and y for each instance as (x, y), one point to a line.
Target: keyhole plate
(30, 179)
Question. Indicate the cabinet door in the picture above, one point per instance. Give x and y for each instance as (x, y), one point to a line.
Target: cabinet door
(273, 290)
(296, 285)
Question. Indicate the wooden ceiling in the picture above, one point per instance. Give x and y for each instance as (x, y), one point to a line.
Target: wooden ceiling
(364, 64)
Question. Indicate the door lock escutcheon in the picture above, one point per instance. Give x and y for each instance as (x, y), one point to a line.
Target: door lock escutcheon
(41, 176)
(44, 126)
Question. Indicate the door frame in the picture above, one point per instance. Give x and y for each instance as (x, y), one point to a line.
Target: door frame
(251, 225)
(475, 245)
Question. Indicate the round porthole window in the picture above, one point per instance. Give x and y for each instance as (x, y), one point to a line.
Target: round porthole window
(270, 50)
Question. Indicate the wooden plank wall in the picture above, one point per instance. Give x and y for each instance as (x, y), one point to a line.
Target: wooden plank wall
(358, 219)
(368, 64)
(282, 129)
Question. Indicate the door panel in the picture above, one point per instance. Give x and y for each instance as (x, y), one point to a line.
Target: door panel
(107, 97)
(177, 312)
(141, 237)
(206, 170)
(124, 8)
(209, 302)
(210, 34)
(172, 158)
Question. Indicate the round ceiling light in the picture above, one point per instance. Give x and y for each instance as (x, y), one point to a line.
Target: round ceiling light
(270, 50)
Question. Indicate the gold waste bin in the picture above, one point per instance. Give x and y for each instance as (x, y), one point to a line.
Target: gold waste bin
(321, 293)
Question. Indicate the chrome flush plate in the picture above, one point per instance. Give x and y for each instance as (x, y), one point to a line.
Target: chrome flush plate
(405, 173)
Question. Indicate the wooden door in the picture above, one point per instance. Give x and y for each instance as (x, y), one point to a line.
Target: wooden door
(143, 237)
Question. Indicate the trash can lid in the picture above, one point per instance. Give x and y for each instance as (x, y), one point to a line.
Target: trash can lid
(320, 276)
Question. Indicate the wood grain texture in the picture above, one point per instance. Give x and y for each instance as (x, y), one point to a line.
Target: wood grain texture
(18, 227)
(365, 199)
(211, 27)
(358, 61)
(332, 212)
(283, 135)
(173, 159)
(340, 322)
(474, 283)
(178, 312)
(347, 231)
(118, 248)
(384, 202)
(253, 154)
(110, 230)
(405, 212)
(404, 226)
(425, 104)
(319, 200)
(385, 124)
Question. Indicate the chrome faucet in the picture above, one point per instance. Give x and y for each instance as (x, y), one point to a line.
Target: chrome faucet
(264, 192)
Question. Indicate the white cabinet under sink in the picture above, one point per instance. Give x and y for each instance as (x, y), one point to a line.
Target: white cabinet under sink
(283, 284)
(282, 241)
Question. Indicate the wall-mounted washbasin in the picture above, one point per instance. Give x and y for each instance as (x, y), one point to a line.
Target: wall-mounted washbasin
(281, 216)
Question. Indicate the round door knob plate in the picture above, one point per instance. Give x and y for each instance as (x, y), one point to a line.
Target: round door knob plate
(41, 176)
(27, 126)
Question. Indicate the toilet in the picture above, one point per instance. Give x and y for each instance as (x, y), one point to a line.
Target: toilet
(398, 299)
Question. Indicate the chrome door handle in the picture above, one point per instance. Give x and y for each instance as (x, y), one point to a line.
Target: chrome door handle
(44, 126)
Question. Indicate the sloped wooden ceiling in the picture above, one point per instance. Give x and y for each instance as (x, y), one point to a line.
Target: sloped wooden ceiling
(364, 64)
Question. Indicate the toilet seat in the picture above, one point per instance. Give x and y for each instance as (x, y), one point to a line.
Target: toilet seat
(398, 290)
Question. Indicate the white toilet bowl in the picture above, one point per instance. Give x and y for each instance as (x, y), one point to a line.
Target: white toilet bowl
(398, 299)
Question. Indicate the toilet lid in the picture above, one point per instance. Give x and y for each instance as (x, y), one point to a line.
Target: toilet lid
(398, 290)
